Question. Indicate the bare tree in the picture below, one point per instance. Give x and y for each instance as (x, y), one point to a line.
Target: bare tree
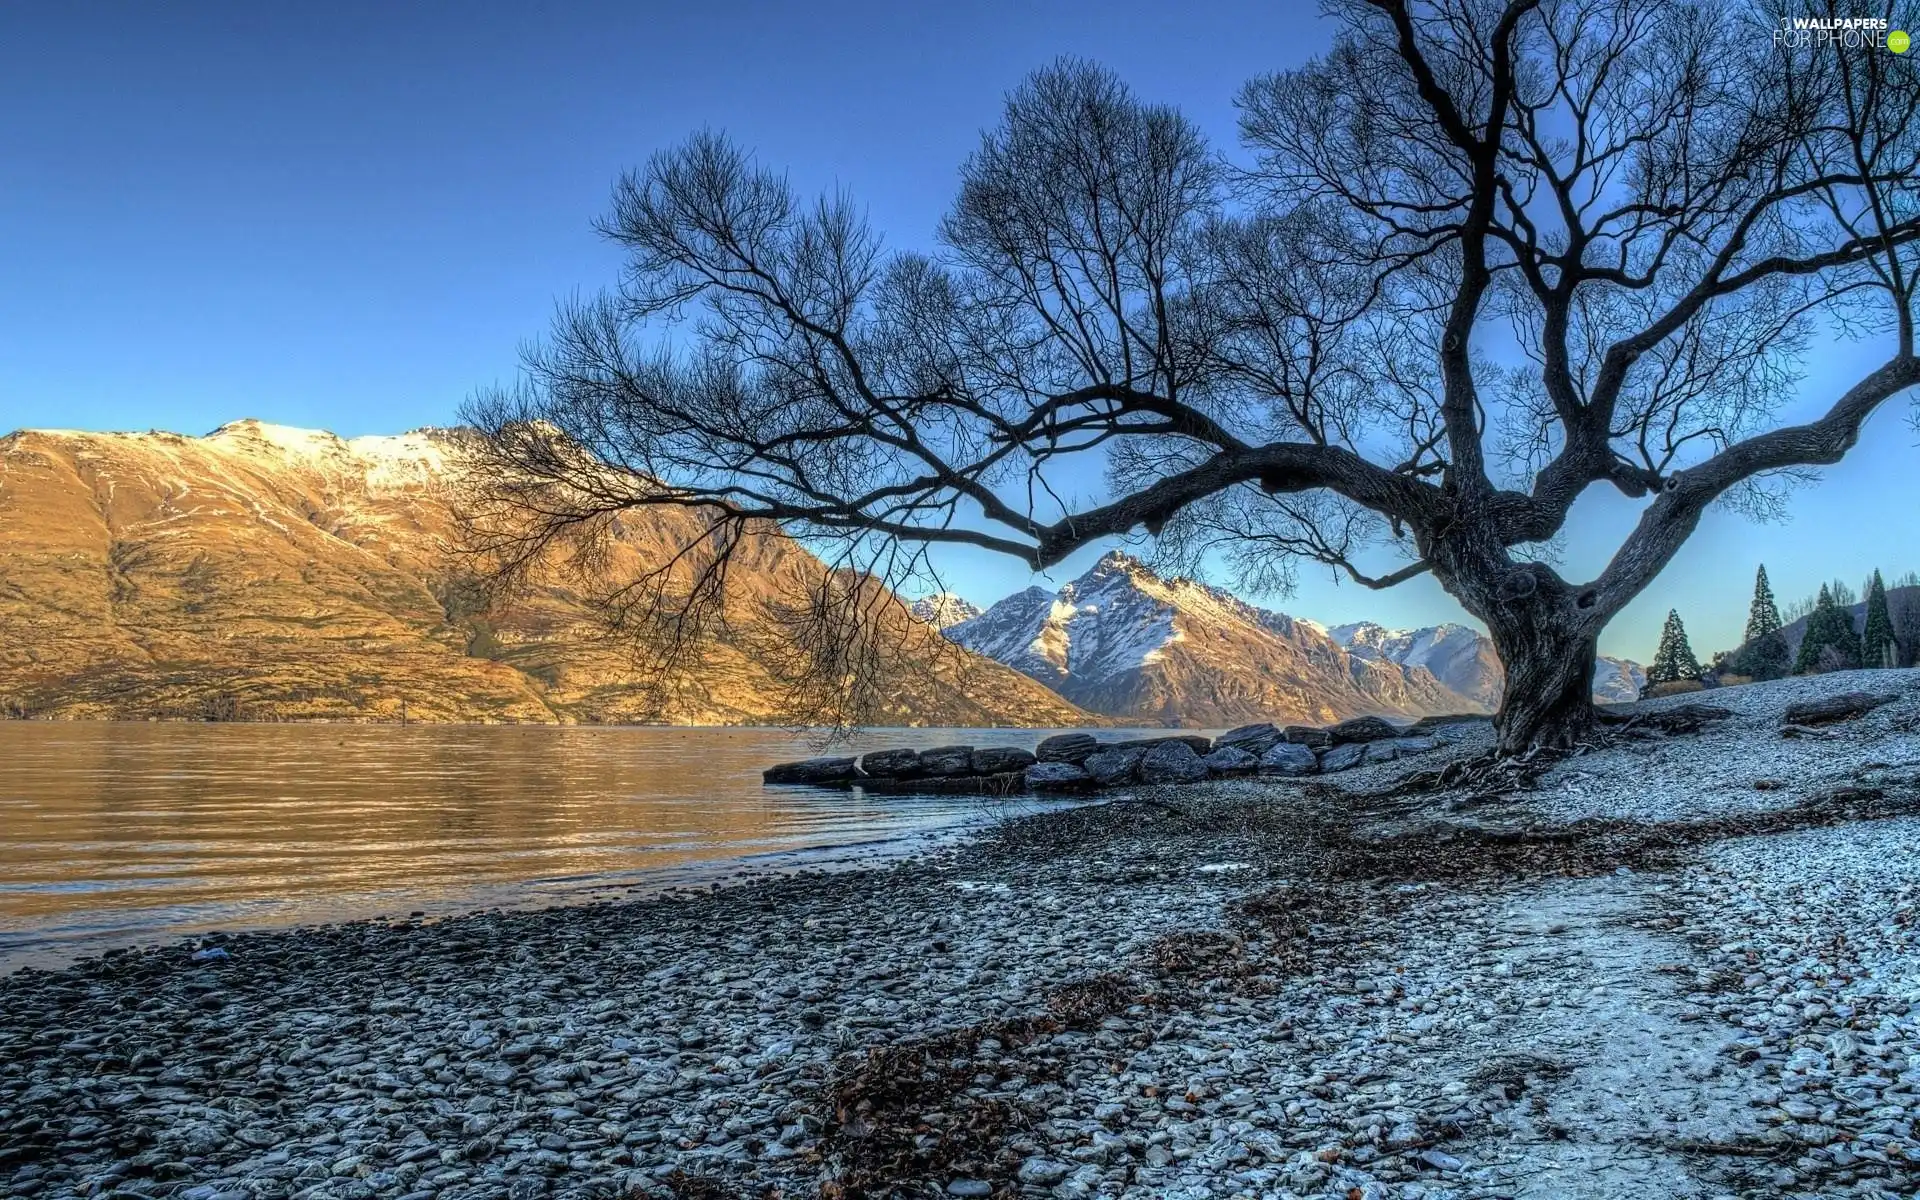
(1481, 257)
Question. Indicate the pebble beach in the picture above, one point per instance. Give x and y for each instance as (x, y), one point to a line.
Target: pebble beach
(1260, 988)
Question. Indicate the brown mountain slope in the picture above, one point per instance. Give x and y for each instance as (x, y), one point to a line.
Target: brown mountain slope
(273, 573)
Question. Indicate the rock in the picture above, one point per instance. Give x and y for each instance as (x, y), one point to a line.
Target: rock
(1287, 758)
(1387, 751)
(1044, 1171)
(1067, 748)
(1001, 760)
(1198, 743)
(1362, 729)
(1057, 777)
(1828, 709)
(1447, 721)
(1172, 761)
(1110, 767)
(1254, 739)
(1339, 758)
(969, 1187)
(947, 760)
(893, 764)
(811, 770)
(1307, 735)
(1230, 760)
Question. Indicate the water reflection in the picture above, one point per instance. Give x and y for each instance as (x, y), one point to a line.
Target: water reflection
(118, 832)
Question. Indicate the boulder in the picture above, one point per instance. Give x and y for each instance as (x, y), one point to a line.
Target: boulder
(1392, 748)
(1230, 760)
(1057, 777)
(947, 760)
(1172, 761)
(812, 770)
(893, 764)
(1067, 748)
(1287, 758)
(1829, 709)
(1447, 722)
(1339, 758)
(1307, 735)
(1254, 739)
(1362, 729)
(1114, 766)
(1000, 760)
(1198, 743)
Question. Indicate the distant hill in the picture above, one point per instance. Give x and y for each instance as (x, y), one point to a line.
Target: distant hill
(273, 573)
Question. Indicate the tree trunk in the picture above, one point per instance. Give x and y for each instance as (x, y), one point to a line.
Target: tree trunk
(1549, 658)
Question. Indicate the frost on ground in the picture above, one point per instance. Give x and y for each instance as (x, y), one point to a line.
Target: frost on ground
(1256, 990)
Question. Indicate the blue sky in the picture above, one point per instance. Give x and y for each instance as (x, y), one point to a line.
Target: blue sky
(350, 216)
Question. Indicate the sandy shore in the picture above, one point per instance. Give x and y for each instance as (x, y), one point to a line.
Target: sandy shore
(1709, 988)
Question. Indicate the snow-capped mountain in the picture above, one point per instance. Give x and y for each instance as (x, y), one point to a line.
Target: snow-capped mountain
(1123, 641)
(1617, 680)
(943, 609)
(1464, 660)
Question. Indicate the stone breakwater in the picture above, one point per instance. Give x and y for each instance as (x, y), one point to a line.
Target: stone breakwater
(1072, 762)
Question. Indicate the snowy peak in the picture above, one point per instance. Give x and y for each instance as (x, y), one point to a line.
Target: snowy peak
(1464, 660)
(944, 609)
(1131, 643)
(416, 458)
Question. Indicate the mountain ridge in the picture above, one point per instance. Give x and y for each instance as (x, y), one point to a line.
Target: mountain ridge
(268, 572)
(1146, 662)
(1127, 643)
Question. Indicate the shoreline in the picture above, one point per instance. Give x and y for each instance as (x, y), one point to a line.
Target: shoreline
(1260, 990)
(61, 949)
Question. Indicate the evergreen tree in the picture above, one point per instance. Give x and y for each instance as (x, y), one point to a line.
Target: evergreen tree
(1674, 659)
(1763, 653)
(1828, 625)
(1878, 646)
(1763, 617)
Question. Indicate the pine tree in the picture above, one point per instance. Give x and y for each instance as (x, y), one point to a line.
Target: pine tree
(1878, 646)
(1828, 626)
(1674, 659)
(1763, 653)
(1763, 617)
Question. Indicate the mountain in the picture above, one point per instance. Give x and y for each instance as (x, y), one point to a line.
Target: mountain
(1122, 641)
(272, 573)
(1464, 661)
(943, 609)
(1617, 680)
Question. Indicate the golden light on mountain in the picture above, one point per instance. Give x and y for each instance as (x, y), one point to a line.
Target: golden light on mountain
(270, 573)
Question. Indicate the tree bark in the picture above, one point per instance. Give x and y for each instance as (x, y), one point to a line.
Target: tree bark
(1549, 657)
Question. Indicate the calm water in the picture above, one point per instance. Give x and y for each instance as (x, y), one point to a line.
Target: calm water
(122, 833)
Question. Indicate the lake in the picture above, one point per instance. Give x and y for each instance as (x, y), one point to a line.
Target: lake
(114, 834)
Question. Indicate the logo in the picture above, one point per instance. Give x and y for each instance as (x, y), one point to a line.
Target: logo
(1840, 33)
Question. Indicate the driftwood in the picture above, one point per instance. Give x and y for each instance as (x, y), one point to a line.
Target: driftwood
(1682, 718)
(1828, 710)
